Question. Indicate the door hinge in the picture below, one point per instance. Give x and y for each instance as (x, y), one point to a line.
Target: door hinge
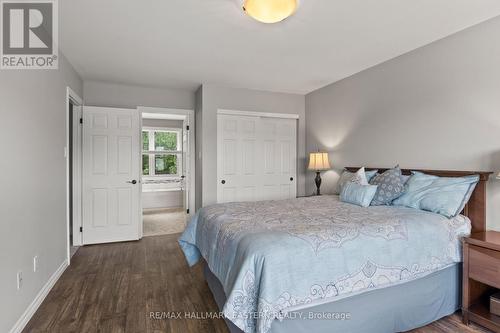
(81, 229)
(187, 211)
(187, 128)
(81, 120)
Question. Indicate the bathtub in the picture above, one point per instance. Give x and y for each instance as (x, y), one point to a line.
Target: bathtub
(162, 193)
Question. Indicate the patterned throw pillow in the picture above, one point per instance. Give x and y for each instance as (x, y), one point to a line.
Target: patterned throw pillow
(360, 177)
(390, 187)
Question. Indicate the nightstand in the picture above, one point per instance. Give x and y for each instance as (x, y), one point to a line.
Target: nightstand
(481, 278)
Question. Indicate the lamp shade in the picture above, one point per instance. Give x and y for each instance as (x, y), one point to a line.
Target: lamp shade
(319, 161)
(270, 11)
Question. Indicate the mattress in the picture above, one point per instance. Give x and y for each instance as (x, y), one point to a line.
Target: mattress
(276, 257)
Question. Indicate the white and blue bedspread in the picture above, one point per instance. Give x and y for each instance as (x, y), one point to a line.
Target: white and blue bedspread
(273, 257)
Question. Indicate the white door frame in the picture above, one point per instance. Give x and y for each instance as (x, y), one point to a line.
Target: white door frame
(258, 114)
(73, 97)
(192, 153)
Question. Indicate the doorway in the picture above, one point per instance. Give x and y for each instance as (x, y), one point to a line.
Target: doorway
(166, 166)
(130, 158)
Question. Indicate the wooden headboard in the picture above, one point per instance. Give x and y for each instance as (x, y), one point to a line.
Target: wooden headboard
(475, 209)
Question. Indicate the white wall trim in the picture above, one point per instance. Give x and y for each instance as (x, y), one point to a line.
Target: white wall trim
(148, 110)
(159, 128)
(77, 174)
(258, 114)
(72, 96)
(30, 311)
(162, 116)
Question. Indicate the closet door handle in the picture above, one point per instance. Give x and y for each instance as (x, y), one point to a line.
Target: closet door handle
(133, 182)
(291, 179)
(223, 182)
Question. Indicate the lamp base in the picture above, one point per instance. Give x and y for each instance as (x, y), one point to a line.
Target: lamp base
(317, 180)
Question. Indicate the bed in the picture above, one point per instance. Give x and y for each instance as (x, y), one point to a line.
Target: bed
(317, 264)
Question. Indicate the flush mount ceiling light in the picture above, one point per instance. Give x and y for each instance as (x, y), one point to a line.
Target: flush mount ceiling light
(270, 11)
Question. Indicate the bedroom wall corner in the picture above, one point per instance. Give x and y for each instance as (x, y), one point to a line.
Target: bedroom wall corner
(435, 107)
(198, 114)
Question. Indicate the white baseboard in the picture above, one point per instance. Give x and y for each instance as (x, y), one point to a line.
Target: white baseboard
(30, 311)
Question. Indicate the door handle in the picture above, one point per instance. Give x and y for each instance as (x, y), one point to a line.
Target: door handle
(291, 179)
(223, 182)
(132, 181)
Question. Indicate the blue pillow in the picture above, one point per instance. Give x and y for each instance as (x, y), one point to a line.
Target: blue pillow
(443, 195)
(370, 174)
(404, 178)
(361, 195)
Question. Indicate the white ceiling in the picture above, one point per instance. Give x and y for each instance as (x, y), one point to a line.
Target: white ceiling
(183, 43)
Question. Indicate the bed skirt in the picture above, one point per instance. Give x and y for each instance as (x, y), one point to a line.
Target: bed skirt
(397, 308)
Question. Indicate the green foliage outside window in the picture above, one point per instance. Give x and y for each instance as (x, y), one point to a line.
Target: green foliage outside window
(165, 141)
(145, 165)
(145, 140)
(164, 164)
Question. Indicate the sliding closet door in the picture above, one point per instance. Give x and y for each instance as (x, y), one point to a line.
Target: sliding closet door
(238, 158)
(256, 158)
(279, 158)
(111, 175)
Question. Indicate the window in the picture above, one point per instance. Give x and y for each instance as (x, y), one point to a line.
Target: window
(161, 152)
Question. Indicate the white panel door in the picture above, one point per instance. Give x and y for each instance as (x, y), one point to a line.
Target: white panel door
(238, 167)
(111, 175)
(279, 137)
(256, 158)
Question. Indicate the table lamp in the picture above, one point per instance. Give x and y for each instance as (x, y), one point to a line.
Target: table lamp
(318, 162)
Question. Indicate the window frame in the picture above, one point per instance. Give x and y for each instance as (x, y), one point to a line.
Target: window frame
(152, 152)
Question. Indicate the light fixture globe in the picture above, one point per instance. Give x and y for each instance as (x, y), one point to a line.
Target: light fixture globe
(270, 11)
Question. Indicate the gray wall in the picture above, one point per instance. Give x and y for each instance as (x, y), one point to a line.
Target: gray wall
(128, 96)
(33, 181)
(214, 98)
(436, 107)
(167, 123)
(198, 146)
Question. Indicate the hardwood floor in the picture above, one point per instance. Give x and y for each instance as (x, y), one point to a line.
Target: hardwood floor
(115, 287)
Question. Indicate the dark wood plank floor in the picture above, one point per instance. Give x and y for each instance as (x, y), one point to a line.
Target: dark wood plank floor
(115, 287)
